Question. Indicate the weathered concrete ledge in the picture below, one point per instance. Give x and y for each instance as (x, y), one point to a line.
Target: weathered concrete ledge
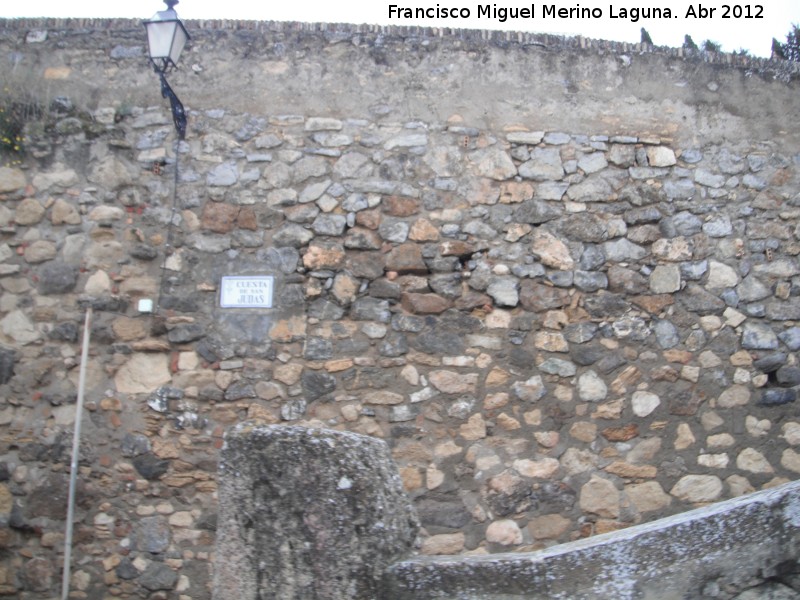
(308, 514)
(709, 552)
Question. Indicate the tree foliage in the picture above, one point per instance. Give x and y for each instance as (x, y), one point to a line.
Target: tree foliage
(789, 50)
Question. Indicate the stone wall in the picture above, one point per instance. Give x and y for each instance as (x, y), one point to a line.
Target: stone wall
(568, 301)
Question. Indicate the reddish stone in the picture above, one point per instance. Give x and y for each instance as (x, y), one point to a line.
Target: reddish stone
(406, 258)
(324, 256)
(247, 218)
(621, 434)
(456, 248)
(219, 217)
(653, 304)
(537, 297)
(471, 299)
(370, 219)
(400, 207)
(424, 304)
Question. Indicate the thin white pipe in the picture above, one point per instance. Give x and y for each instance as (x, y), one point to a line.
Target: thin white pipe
(76, 442)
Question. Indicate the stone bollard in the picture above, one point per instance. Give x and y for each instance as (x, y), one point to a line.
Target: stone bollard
(308, 514)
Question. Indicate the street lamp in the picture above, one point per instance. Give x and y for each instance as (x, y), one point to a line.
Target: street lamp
(166, 37)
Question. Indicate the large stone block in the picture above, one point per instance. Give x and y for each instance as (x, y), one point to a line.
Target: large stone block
(308, 514)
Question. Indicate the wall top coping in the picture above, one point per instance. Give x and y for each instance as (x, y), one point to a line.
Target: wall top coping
(341, 31)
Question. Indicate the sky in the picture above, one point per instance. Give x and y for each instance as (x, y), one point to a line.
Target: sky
(734, 26)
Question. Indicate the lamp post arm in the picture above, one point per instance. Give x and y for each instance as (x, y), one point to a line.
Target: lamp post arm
(178, 112)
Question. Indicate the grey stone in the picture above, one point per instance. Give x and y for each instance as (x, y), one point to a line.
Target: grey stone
(224, 175)
(295, 236)
(593, 257)
(504, 291)
(692, 271)
(758, 336)
(709, 179)
(683, 224)
(151, 534)
(751, 289)
(536, 212)
(371, 309)
(790, 337)
(682, 189)
(558, 366)
(719, 226)
(666, 333)
(587, 281)
(623, 250)
(545, 165)
(354, 519)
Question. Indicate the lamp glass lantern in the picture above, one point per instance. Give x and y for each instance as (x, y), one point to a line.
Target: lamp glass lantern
(166, 37)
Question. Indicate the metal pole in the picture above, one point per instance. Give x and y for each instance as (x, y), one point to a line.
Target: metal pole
(76, 442)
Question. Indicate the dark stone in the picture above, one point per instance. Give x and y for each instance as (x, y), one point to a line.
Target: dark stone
(7, 358)
(150, 467)
(584, 227)
(587, 355)
(686, 402)
(771, 362)
(604, 305)
(553, 497)
(610, 362)
(185, 333)
(788, 376)
(778, 397)
(536, 212)
(519, 357)
(325, 310)
(239, 390)
(158, 576)
(180, 304)
(436, 341)
(368, 377)
(336, 495)
(318, 348)
(56, 277)
(134, 444)
(697, 300)
(537, 297)
(317, 384)
(65, 332)
(516, 500)
(383, 288)
(144, 252)
(126, 570)
(394, 345)
(5, 473)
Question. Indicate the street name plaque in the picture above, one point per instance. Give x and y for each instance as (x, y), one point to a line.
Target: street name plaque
(246, 292)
